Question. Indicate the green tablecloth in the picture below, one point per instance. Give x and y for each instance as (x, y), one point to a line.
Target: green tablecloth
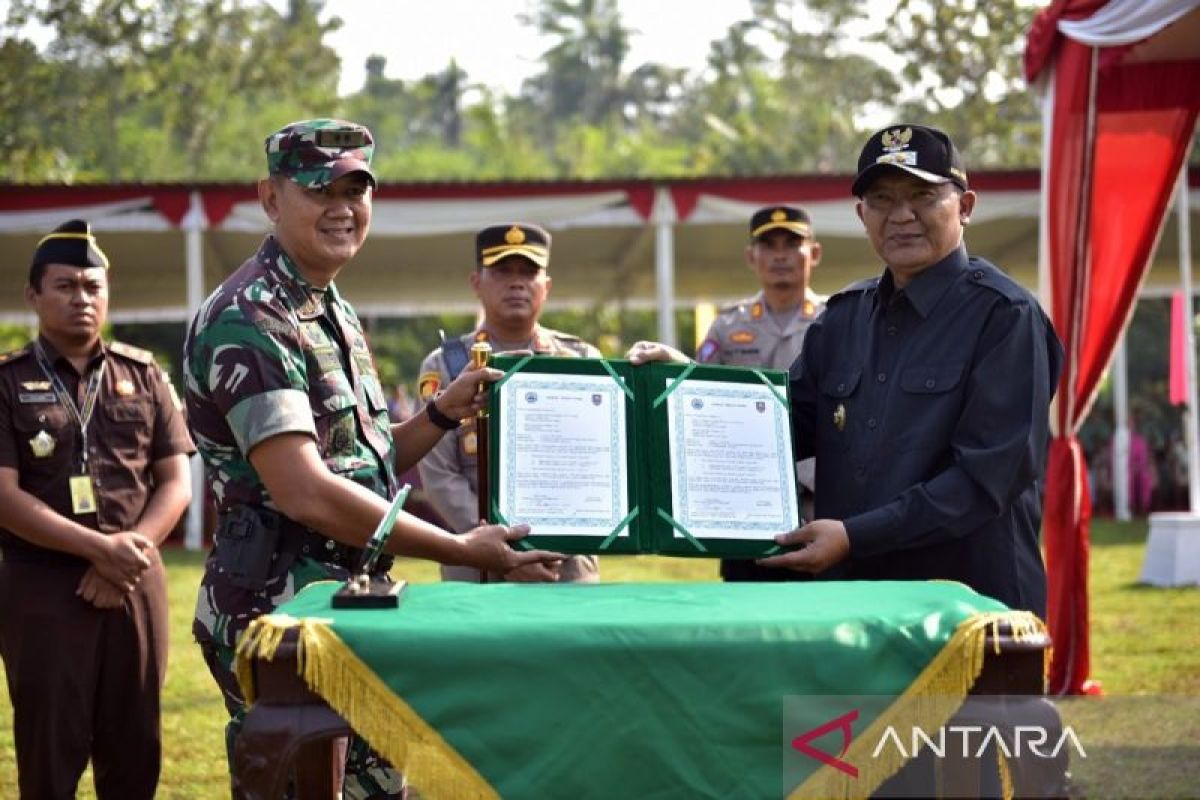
(621, 690)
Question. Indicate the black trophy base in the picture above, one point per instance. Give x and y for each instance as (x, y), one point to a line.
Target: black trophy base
(363, 592)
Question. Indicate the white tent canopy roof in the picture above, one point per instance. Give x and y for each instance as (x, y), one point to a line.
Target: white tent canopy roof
(608, 244)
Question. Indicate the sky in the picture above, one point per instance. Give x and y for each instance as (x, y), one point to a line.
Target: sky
(489, 42)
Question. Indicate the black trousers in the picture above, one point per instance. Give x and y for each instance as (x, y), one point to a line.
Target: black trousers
(84, 682)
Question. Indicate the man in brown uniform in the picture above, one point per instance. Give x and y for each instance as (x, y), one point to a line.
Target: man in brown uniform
(511, 281)
(93, 476)
(768, 329)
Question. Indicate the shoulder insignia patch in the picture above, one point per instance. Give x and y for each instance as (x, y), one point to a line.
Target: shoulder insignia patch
(174, 394)
(13, 355)
(708, 349)
(131, 352)
(428, 384)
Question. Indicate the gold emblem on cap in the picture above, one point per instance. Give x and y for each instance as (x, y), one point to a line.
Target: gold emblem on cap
(896, 139)
(42, 445)
(124, 387)
(839, 417)
(778, 215)
(514, 235)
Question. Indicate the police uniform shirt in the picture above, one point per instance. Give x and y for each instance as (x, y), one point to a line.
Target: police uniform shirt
(748, 334)
(448, 471)
(136, 421)
(927, 410)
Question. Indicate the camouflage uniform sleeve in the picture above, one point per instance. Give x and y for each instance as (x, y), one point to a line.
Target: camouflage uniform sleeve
(442, 469)
(256, 372)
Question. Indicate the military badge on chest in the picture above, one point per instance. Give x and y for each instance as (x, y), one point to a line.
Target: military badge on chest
(839, 417)
(42, 445)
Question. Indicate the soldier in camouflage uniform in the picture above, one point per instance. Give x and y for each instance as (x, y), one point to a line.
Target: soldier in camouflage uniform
(511, 281)
(287, 410)
(768, 329)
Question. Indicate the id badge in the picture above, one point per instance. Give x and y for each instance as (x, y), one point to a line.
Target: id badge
(83, 497)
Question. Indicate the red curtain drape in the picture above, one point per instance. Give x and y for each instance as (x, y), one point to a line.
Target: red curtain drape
(1120, 135)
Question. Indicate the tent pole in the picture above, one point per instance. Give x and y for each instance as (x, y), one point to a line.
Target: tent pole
(1189, 338)
(664, 263)
(1119, 453)
(193, 225)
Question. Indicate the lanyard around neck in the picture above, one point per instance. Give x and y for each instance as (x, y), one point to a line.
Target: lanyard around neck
(82, 415)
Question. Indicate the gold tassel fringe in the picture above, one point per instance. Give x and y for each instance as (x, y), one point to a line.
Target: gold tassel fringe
(353, 690)
(932, 699)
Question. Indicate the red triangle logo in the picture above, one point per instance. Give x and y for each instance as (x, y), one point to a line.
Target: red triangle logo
(842, 723)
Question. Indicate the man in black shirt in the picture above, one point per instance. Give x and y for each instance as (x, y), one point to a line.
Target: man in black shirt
(924, 394)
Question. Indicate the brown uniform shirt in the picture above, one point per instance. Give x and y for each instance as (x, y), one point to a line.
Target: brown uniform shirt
(746, 334)
(137, 421)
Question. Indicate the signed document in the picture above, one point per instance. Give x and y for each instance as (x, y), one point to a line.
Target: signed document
(732, 468)
(562, 454)
(675, 459)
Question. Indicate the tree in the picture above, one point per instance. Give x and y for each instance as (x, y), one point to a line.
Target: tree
(776, 98)
(138, 91)
(963, 64)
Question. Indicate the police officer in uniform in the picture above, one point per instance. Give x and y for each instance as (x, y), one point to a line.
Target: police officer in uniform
(93, 476)
(511, 281)
(287, 409)
(768, 329)
(924, 394)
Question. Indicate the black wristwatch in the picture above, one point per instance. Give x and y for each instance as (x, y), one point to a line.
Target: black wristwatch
(438, 418)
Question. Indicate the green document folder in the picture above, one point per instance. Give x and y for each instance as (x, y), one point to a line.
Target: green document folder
(601, 456)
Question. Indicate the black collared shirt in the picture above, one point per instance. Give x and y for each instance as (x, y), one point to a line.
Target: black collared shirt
(137, 421)
(927, 409)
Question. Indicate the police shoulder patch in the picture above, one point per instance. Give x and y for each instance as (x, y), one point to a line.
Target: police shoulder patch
(428, 384)
(708, 349)
(132, 353)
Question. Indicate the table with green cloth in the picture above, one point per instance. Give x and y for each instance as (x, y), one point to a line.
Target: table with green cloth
(638, 690)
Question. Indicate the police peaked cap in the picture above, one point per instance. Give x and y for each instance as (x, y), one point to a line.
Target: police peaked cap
(513, 239)
(787, 218)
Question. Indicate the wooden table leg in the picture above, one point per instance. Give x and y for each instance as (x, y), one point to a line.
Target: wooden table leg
(289, 730)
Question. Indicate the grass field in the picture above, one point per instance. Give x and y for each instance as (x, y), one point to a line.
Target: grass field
(1144, 642)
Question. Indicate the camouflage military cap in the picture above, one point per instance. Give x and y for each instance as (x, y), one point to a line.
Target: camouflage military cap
(316, 152)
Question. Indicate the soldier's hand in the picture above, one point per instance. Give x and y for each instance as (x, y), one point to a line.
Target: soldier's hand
(825, 544)
(124, 557)
(534, 573)
(462, 398)
(487, 548)
(99, 592)
(644, 352)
